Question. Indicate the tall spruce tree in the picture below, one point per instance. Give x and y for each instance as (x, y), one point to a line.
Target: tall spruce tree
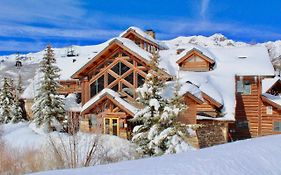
(16, 108)
(48, 109)
(168, 134)
(6, 101)
(157, 132)
(150, 98)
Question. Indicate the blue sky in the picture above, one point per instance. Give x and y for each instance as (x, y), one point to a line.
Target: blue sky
(28, 25)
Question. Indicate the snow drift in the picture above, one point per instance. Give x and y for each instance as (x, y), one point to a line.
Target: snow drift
(260, 156)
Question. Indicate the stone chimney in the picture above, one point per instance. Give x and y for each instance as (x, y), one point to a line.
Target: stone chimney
(150, 32)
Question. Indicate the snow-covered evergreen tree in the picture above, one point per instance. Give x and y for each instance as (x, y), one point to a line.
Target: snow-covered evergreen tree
(157, 131)
(48, 109)
(6, 101)
(16, 107)
(167, 134)
(150, 98)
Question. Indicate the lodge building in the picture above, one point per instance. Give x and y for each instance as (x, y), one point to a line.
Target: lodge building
(233, 87)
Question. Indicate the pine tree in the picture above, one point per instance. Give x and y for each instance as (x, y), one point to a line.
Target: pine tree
(16, 108)
(6, 101)
(150, 98)
(158, 131)
(169, 135)
(48, 109)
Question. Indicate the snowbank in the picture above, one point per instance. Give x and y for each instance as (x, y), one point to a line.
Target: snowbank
(260, 156)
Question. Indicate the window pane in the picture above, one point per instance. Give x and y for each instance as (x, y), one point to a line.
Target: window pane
(269, 110)
(115, 68)
(240, 86)
(93, 89)
(100, 83)
(123, 68)
(115, 88)
(140, 80)
(130, 78)
(242, 124)
(110, 78)
(277, 126)
(247, 89)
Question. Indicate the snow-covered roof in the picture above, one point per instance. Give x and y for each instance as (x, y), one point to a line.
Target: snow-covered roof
(219, 83)
(276, 99)
(115, 96)
(31, 90)
(199, 49)
(144, 35)
(268, 83)
(70, 103)
(126, 42)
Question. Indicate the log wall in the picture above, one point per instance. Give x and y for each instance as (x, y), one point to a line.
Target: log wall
(247, 109)
(267, 120)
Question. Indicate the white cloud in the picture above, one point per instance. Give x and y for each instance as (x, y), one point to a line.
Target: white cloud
(204, 7)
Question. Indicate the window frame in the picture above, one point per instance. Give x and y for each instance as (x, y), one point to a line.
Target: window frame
(269, 110)
(274, 126)
(243, 87)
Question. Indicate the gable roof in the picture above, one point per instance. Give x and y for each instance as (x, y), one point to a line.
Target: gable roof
(186, 54)
(142, 35)
(272, 100)
(124, 43)
(269, 83)
(114, 97)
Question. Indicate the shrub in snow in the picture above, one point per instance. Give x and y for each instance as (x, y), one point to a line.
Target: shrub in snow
(48, 108)
(157, 131)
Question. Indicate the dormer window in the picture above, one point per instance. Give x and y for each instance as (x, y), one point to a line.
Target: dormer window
(196, 61)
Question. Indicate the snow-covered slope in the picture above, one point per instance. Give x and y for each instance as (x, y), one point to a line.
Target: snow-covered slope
(69, 65)
(259, 156)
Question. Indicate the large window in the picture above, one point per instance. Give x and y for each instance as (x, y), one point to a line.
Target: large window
(243, 87)
(97, 86)
(120, 68)
(277, 126)
(119, 75)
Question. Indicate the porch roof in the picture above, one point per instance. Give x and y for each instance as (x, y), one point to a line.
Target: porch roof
(132, 110)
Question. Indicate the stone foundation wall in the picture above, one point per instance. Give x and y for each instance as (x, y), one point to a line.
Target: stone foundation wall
(210, 135)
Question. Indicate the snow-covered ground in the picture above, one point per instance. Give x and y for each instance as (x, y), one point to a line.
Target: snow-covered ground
(259, 156)
(24, 137)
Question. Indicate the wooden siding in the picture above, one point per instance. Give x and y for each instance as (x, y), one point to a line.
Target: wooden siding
(141, 41)
(197, 107)
(194, 61)
(267, 120)
(69, 86)
(208, 109)
(106, 107)
(247, 109)
(188, 116)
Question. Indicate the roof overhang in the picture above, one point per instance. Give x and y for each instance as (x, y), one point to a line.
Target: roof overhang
(270, 102)
(211, 100)
(103, 97)
(132, 31)
(193, 97)
(114, 43)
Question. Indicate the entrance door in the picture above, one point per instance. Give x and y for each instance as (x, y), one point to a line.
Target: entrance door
(111, 126)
